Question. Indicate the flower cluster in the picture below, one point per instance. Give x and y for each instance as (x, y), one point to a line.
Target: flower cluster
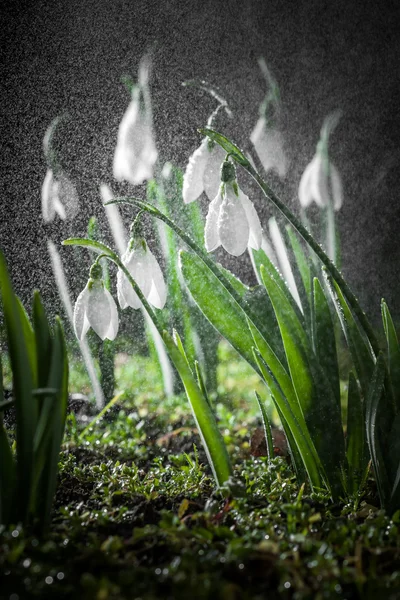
(96, 308)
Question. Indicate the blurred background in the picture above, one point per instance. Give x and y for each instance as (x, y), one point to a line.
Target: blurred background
(71, 56)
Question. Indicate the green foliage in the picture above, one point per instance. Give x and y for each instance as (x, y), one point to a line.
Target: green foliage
(40, 390)
(202, 412)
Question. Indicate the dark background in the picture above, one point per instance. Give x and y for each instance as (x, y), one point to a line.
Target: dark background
(70, 56)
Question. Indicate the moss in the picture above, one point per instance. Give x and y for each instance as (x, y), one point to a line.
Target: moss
(137, 515)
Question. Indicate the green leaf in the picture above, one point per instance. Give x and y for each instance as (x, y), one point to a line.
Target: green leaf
(313, 391)
(51, 429)
(325, 344)
(267, 428)
(393, 463)
(42, 339)
(204, 417)
(26, 413)
(393, 354)
(358, 344)
(296, 424)
(375, 435)
(357, 449)
(7, 467)
(29, 339)
(217, 304)
(92, 245)
(7, 478)
(304, 266)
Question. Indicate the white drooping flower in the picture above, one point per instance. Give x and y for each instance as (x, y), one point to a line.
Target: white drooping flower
(268, 143)
(136, 152)
(320, 183)
(203, 172)
(145, 270)
(59, 195)
(232, 220)
(96, 308)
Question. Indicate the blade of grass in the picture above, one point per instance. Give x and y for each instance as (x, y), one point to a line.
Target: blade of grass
(202, 413)
(267, 428)
(356, 448)
(26, 413)
(393, 354)
(373, 430)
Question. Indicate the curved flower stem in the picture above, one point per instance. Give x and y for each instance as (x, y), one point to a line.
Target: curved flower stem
(204, 417)
(238, 155)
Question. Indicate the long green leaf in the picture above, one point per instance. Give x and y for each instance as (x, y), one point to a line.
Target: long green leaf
(356, 448)
(325, 344)
(267, 428)
(313, 391)
(374, 431)
(7, 477)
(43, 339)
(217, 304)
(359, 346)
(47, 454)
(29, 336)
(304, 265)
(22, 390)
(7, 467)
(297, 426)
(393, 354)
(202, 413)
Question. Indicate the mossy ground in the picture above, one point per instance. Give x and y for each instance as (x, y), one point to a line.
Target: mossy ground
(137, 515)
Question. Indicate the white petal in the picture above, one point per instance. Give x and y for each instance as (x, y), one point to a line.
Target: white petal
(255, 236)
(114, 323)
(193, 178)
(120, 293)
(158, 291)
(48, 211)
(268, 143)
(125, 293)
(137, 265)
(67, 196)
(305, 195)
(98, 309)
(211, 235)
(233, 226)
(135, 153)
(212, 171)
(336, 187)
(81, 323)
(319, 182)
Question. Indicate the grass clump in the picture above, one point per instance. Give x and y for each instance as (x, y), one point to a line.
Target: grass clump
(137, 514)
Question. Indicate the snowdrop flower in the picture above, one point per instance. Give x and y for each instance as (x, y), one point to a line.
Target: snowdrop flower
(232, 220)
(136, 151)
(59, 196)
(320, 182)
(268, 144)
(96, 308)
(145, 270)
(203, 172)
